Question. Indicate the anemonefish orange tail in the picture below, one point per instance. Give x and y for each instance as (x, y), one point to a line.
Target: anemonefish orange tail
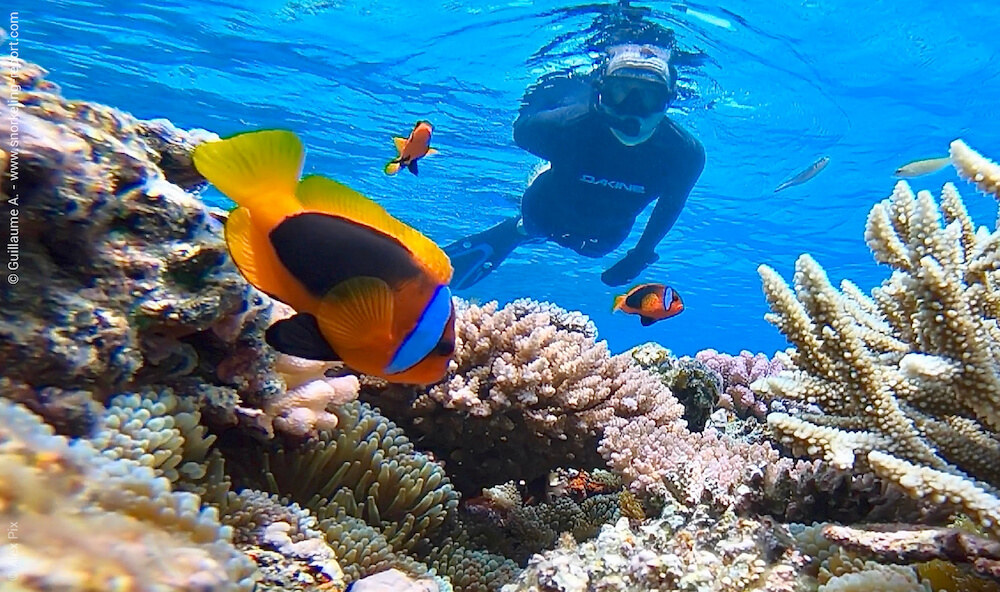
(259, 171)
(619, 302)
(393, 166)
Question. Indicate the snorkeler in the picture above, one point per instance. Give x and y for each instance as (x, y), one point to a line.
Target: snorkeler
(611, 151)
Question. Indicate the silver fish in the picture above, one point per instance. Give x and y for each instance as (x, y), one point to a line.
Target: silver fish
(922, 167)
(800, 178)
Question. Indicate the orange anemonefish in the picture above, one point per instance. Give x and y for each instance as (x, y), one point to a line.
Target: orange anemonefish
(368, 289)
(652, 302)
(412, 149)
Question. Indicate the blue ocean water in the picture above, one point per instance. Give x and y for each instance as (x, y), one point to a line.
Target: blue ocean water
(872, 85)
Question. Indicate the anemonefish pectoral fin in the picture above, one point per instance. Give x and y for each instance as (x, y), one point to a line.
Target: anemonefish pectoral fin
(320, 194)
(619, 301)
(431, 151)
(400, 144)
(647, 321)
(252, 168)
(300, 336)
(357, 313)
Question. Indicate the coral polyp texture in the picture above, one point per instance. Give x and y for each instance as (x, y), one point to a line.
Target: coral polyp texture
(907, 378)
(529, 391)
(738, 373)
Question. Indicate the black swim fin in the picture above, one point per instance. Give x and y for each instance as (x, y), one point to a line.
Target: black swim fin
(475, 257)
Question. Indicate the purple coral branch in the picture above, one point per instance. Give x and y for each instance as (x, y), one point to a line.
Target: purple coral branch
(738, 373)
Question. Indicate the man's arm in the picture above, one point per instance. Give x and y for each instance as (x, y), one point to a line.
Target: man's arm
(666, 211)
(547, 113)
(669, 205)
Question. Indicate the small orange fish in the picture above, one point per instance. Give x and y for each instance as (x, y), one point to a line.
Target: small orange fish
(651, 302)
(368, 289)
(412, 149)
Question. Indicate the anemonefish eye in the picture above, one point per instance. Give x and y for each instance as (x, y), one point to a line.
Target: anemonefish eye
(445, 347)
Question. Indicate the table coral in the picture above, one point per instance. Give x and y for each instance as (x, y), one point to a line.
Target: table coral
(908, 378)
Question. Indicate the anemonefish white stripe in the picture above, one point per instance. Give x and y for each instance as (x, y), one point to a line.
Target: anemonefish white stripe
(425, 334)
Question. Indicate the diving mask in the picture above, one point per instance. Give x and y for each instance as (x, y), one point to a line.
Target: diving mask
(635, 97)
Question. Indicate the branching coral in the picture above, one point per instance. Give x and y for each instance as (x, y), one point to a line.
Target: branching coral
(908, 379)
(738, 373)
(529, 391)
(662, 458)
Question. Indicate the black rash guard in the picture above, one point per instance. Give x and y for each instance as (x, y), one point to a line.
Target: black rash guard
(589, 198)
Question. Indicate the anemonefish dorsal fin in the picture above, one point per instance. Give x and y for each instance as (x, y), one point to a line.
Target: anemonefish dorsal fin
(258, 170)
(320, 194)
(619, 301)
(356, 313)
(400, 143)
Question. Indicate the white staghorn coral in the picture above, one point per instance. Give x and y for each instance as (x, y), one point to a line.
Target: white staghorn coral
(976, 168)
(908, 379)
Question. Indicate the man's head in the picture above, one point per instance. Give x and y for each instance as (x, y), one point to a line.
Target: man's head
(636, 87)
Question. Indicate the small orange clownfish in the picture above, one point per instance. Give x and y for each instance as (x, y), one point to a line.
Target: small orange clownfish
(368, 289)
(412, 149)
(651, 302)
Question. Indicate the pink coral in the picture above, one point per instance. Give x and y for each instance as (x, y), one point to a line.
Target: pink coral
(738, 373)
(662, 457)
(302, 409)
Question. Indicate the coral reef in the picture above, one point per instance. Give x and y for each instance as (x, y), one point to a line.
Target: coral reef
(678, 552)
(694, 384)
(122, 274)
(738, 373)
(377, 501)
(198, 452)
(528, 392)
(516, 523)
(907, 379)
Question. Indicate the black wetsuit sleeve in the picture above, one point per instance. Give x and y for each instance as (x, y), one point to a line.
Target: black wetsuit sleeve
(671, 202)
(548, 113)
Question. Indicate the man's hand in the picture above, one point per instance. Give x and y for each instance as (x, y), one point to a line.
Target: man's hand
(628, 268)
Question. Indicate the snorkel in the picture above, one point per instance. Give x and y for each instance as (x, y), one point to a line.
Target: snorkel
(635, 91)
